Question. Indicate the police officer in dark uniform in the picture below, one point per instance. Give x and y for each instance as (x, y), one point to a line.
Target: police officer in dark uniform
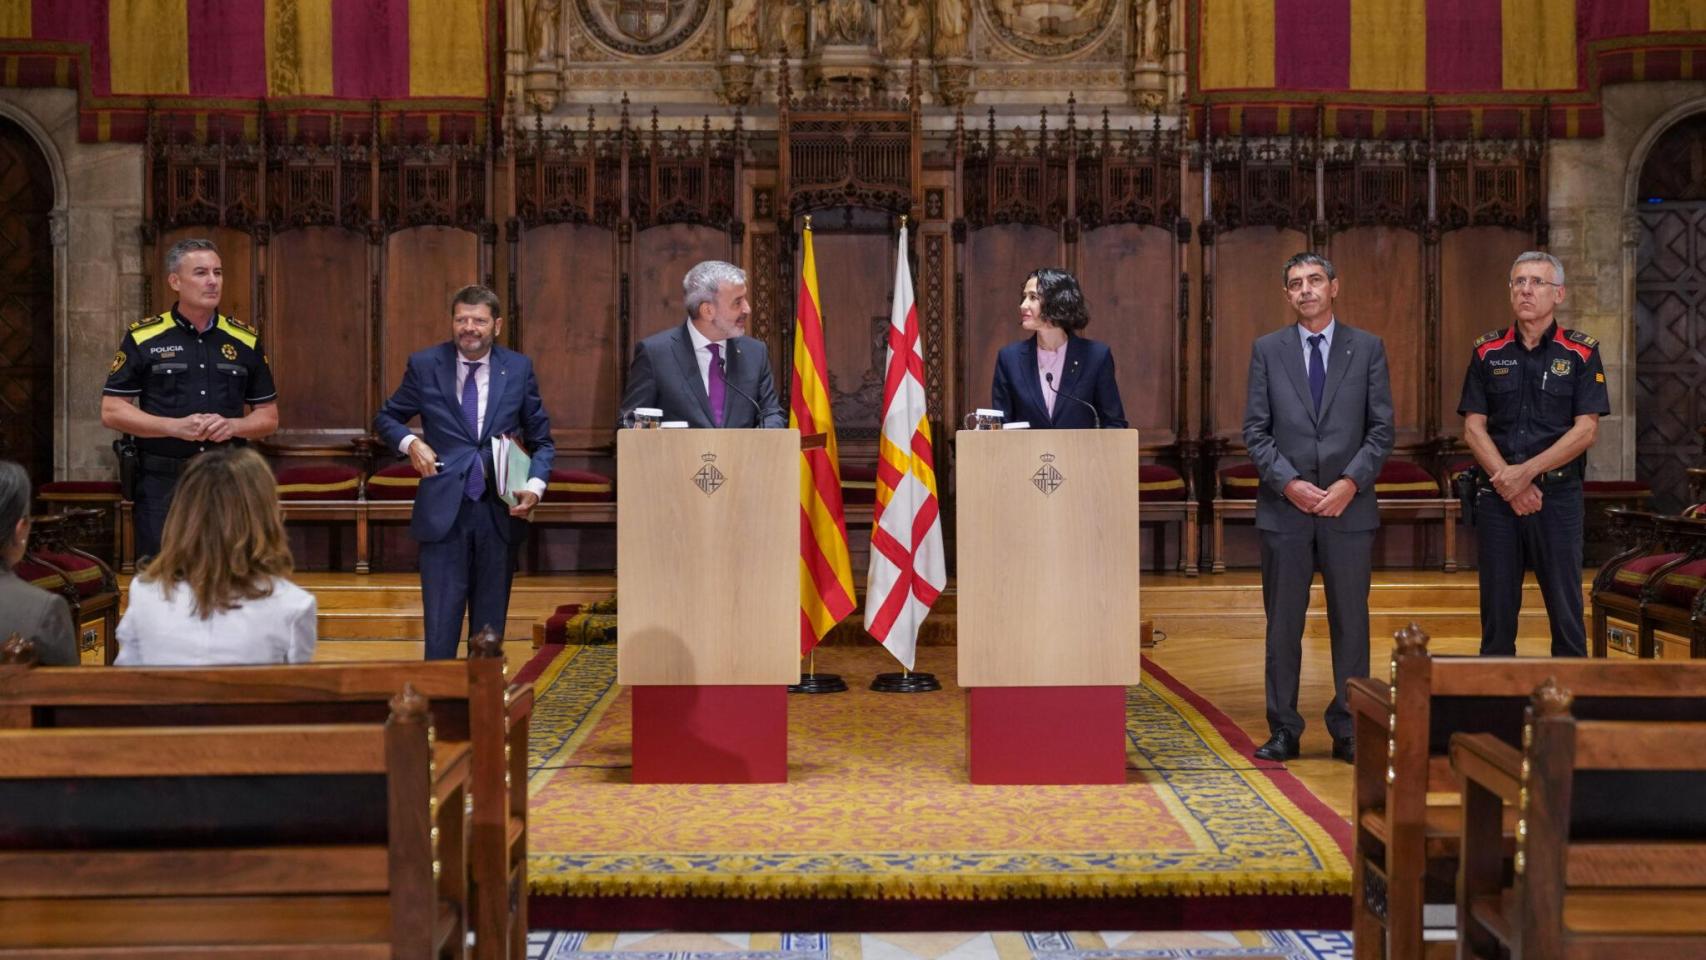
(180, 382)
(1531, 405)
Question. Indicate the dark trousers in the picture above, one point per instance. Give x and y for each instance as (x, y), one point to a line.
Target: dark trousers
(465, 578)
(1289, 562)
(153, 500)
(1549, 542)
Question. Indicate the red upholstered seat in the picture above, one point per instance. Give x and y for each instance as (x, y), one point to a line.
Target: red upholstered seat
(1158, 482)
(80, 490)
(1682, 585)
(1629, 488)
(1239, 482)
(1403, 480)
(329, 482)
(858, 483)
(1632, 577)
(578, 486)
(1696, 512)
(39, 575)
(84, 574)
(554, 627)
(396, 482)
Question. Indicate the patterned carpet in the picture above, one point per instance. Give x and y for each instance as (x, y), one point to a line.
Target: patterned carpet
(1083, 945)
(878, 806)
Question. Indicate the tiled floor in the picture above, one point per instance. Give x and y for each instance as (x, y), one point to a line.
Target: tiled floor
(1250, 945)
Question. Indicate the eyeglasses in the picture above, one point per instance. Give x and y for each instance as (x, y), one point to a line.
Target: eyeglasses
(1532, 283)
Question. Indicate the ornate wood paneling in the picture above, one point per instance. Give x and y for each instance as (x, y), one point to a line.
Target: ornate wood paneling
(1127, 275)
(316, 333)
(1380, 290)
(26, 304)
(1474, 269)
(569, 284)
(1670, 347)
(1000, 259)
(662, 256)
(1249, 302)
(855, 274)
(424, 267)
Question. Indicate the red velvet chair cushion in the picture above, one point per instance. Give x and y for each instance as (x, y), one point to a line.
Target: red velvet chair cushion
(330, 482)
(39, 575)
(1680, 586)
(1403, 480)
(1158, 482)
(1626, 488)
(1632, 577)
(396, 482)
(1239, 482)
(579, 486)
(80, 490)
(1696, 512)
(858, 483)
(84, 574)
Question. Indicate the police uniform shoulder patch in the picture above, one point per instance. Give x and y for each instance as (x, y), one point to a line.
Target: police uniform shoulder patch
(242, 326)
(118, 361)
(244, 333)
(1489, 337)
(148, 322)
(150, 327)
(1581, 338)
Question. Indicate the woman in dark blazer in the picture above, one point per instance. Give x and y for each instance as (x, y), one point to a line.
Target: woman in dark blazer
(1056, 367)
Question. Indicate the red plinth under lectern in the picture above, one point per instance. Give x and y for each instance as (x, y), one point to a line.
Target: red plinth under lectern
(1043, 735)
(711, 733)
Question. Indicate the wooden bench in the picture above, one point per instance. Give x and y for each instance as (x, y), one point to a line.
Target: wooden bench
(1595, 874)
(218, 841)
(471, 703)
(1657, 582)
(1406, 847)
(1398, 502)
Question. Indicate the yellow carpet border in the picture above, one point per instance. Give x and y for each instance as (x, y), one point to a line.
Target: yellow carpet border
(1035, 880)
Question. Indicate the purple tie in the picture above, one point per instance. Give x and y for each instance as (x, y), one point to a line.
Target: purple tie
(718, 391)
(476, 486)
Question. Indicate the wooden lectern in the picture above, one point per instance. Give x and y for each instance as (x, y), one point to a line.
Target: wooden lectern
(708, 560)
(1048, 605)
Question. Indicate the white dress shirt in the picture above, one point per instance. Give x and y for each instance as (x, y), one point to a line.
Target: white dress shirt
(702, 353)
(1326, 345)
(161, 632)
(482, 386)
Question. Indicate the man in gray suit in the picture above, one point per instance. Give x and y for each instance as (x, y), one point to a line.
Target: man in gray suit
(1318, 425)
(706, 371)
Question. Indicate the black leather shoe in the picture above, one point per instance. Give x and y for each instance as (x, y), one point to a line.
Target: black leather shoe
(1280, 747)
(1345, 748)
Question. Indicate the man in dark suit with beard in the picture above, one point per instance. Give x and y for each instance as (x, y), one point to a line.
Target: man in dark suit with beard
(707, 372)
(1318, 425)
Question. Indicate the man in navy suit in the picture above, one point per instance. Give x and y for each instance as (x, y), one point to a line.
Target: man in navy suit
(706, 372)
(466, 392)
(1318, 425)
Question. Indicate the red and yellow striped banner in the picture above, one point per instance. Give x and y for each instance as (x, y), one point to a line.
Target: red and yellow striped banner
(826, 571)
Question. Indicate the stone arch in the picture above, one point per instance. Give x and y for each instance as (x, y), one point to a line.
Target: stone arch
(1667, 298)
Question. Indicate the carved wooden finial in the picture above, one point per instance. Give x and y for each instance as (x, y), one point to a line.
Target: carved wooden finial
(19, 650)
(1411, 641)
(1551, 700)
(486, 643)
(408, 706)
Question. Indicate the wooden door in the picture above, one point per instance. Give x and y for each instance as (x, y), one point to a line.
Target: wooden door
(26, 304)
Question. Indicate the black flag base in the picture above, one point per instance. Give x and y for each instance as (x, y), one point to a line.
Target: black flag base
(905, 683)
(819, 683)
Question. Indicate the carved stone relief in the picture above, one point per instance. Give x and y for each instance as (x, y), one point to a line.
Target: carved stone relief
(642, 27)
(1049, 29)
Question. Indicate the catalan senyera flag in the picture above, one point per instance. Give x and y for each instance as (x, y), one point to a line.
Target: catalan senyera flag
(826, 573)
(908, 569)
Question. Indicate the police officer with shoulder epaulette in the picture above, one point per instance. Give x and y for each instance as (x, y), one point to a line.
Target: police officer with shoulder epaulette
(1531, 405)
(180, 382)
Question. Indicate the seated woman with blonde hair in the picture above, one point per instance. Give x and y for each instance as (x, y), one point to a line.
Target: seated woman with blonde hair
(216, 592)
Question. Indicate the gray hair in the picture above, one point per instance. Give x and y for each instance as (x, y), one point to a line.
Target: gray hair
(14, 498)
(1307, 259)
(702, 282)
(1537, 256)
(175, 256)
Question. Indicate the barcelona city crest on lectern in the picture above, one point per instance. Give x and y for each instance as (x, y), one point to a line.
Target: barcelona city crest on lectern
(1047, 479)
(709, 479)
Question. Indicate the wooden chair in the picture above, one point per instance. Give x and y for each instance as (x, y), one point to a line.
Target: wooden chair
(1595, 875)
(216, 841)
(90, 587)
(1406, 848)
(1657, 582)
(471, 703)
